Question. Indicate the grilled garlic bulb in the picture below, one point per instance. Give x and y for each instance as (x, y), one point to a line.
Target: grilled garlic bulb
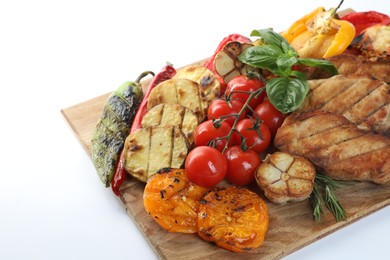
(284, 177)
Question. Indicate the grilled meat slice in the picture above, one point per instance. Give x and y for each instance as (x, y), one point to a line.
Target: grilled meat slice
(336, 146)
(349, 64)
(373, 42)
(378, 68)
(363, 101)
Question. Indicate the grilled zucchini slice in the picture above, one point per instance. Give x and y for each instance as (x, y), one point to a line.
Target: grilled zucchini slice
(149, 149)
(172, 115)
(210, 88)
(178, 91)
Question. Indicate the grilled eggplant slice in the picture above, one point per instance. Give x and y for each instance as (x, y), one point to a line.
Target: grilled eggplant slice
(149, 149)
(179, 91)
(172, 115)
(113, 127)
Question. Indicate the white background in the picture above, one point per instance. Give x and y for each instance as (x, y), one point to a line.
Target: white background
(55, 54)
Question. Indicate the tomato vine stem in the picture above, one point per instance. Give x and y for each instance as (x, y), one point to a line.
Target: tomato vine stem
(257, 123)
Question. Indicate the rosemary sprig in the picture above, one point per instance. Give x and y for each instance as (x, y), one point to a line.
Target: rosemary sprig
(317, 203)
(324, 194)
(334, 204)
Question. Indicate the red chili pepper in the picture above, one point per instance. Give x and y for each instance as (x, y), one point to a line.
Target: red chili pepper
(364, 20)
(120, 174)
(210, 62)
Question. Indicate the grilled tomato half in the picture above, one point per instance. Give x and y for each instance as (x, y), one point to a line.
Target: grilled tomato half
(172, 200)
(233, 218)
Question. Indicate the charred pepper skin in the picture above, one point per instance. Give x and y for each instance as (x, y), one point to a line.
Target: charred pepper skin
(113, 127)
(167, 72)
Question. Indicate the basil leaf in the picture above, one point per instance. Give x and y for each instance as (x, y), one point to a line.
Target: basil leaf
(286, 94)
(286, 47)
(262, 56)
(284, 63)
(299, 75)
(321, 64)
(272, 38)
(268, 35)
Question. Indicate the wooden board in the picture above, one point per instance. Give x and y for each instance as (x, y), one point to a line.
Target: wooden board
(291, 225)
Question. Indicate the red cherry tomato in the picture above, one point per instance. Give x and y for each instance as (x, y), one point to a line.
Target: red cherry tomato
(221, 107)
(253, 139)
(206, 132)
(206, 166)
(244, 83)
(241, 165)
(272, 117)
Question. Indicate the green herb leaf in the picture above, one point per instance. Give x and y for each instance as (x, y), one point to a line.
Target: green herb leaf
(286, 94)
(334, 204)
(328, 186)
(286, 47)
(278, 56)
(284, 64)
(298, 75)
(272, 38)
(317, 203)
(262, 56)
(322, 64)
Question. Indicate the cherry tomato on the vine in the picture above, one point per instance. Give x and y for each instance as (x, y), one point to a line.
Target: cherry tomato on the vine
(272, 117)
(241, 165)
(206, 166)
(227, 109)
(206, 132)
(243, 83)
(254, 141)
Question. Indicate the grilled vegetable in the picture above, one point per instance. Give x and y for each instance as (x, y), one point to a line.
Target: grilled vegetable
(284, 177)
(209, 86)
(233, 218)
(226, 62)
(113, 127)
(364, 20)
(173, 201)
(179, 91)
(210, 62)
(299, 26)
(172, 115)
(149, 149)
(324, 36)
(167, 72)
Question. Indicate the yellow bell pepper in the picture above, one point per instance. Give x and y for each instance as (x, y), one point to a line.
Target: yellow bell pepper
(342, 39)
(320, 35)
(299, 26)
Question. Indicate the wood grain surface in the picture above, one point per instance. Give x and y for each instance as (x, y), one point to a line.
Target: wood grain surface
(291, 225)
